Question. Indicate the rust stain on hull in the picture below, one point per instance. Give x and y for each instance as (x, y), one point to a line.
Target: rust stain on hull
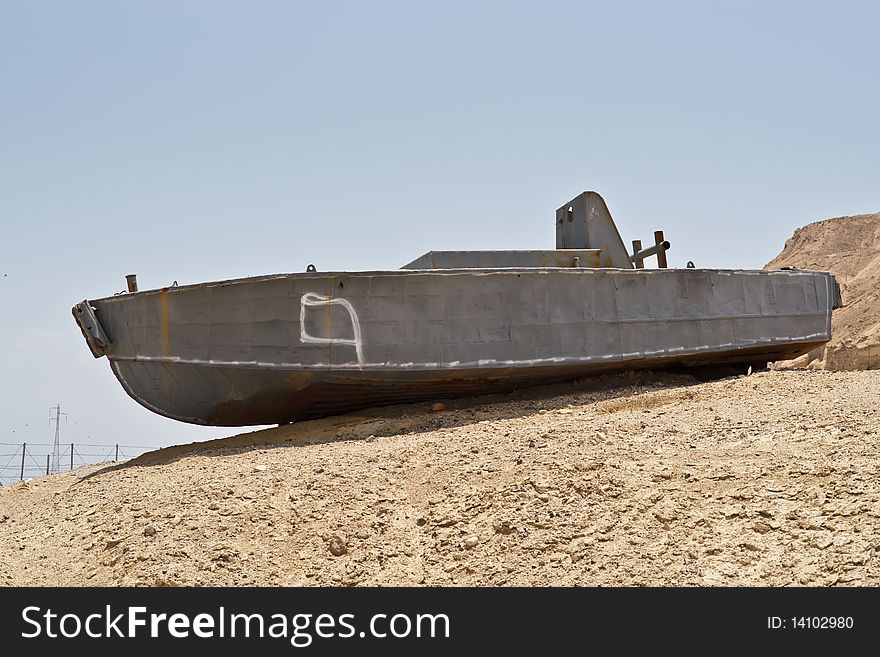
(163, 322)
(166, 339)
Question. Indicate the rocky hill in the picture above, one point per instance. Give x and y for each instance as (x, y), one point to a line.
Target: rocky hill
(848, 247)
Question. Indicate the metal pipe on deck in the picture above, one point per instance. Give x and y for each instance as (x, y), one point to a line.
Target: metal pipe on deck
(661, 255)
(638, 262)
(658, 249)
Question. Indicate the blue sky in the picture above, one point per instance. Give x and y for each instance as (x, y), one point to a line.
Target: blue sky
(197, 141)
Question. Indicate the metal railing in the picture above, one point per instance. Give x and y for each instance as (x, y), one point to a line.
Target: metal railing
(30, 460)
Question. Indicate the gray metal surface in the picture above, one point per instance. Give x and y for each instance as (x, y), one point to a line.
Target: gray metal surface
(278, 348)
(498, 259)
(585, 223)
(96, 340)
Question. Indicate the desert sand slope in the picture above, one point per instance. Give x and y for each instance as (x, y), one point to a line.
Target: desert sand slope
(848, 247)
(768, 479)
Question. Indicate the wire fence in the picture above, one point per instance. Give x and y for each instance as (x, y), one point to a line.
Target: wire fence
(21, 461)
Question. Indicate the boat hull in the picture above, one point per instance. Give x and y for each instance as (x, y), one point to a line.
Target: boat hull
(282, 348)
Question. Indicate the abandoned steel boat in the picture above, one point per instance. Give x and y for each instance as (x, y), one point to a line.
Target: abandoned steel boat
(275, 349)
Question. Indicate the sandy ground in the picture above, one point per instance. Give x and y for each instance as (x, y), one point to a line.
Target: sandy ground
(769, 479)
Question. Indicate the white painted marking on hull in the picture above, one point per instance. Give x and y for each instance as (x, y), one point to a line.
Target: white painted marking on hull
(312, 300)
(478, 364)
